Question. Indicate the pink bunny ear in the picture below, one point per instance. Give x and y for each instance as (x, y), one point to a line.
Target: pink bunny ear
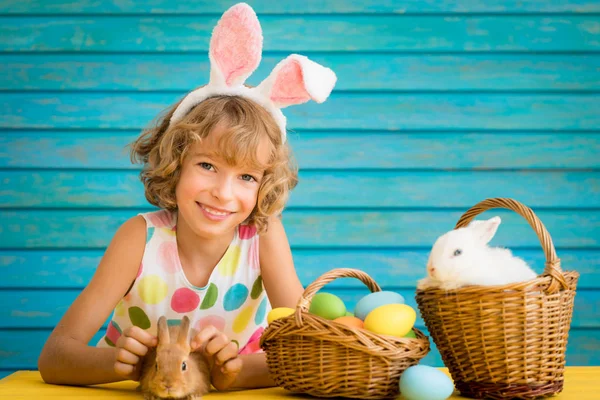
(297, 80)
(235, 46)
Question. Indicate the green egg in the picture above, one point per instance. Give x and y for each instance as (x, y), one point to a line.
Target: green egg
(327, 305)
(349, 314)
(411, 334)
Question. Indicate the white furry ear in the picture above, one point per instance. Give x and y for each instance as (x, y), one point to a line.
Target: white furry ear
(296, 80)
(484, 231)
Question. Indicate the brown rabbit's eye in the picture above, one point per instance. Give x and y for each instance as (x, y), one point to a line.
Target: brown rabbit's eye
(457, 252)
(183, 366)
(156, 366)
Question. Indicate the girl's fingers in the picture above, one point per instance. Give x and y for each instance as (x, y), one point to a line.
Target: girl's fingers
(123, 369)
(127, 357)
(141, 336)
(216, 344)
(228, 352)
(132, 345)
(204, 336)
(232, 367)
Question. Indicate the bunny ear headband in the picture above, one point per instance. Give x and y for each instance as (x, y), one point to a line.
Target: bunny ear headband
(235, 52)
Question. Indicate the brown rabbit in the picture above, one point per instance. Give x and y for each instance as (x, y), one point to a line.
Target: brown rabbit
(170, 371)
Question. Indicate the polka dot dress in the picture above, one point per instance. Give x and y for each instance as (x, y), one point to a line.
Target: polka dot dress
(233, 301)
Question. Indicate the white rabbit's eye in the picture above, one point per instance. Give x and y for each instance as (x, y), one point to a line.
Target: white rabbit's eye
(457, 252)
(183, 366)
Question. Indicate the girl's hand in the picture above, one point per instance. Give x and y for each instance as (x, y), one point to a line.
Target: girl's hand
(131, 347)
(222, 354)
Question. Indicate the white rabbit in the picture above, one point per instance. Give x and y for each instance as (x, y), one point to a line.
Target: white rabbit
(462, 257)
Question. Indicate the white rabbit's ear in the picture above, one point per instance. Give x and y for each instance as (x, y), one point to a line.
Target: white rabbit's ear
(484, 231)
(296, 80)
(235, 46)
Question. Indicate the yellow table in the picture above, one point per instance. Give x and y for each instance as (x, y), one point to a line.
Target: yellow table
(581, 383)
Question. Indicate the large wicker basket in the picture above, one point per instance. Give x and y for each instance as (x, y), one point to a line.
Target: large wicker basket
(505, 341)
(311, 355)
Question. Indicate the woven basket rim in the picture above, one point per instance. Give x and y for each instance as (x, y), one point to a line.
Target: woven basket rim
(363, 337)
(552, 279)
(532, 285)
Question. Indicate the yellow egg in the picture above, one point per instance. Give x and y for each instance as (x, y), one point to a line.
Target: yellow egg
(391, 319)
(279, 312)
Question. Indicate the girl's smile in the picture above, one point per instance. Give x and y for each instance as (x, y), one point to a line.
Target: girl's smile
(214, 214)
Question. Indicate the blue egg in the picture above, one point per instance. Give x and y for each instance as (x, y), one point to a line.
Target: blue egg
(374, 300)
(421, 382)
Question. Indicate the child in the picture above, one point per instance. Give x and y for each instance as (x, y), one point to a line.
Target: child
(218, 167)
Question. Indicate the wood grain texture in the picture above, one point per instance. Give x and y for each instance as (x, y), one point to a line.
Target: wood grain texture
(62, 189)
(392, 267)
(414, 33)
(377, 111)
(308, 228)
(122, 7)
(43, 309)
(329, 150)
(355, 71)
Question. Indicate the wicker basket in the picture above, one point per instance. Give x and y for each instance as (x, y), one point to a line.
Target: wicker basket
(505, 341)
(311, 355)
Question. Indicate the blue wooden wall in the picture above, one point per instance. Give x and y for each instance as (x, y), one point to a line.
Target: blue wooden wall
(439, 104)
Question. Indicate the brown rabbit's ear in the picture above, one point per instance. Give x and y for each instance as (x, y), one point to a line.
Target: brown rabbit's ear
(163, 331)
(182, 339)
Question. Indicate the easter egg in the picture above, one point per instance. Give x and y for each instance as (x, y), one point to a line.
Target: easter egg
(350, 321)
(411, 334)
(421, 382)
(327, 305)
(279, 312)
(391, 319)
(349, 314)
(377, 299)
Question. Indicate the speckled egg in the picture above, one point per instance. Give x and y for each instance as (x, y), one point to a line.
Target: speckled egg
(421, 382)
(373, 300)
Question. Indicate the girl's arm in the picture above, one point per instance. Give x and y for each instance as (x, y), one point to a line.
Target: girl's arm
(284, 290)
(66, 357)
(277, 267)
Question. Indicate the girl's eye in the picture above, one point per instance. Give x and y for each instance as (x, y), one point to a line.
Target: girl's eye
(183, 366)
(457, 252)
(248, 178)
(206, 166)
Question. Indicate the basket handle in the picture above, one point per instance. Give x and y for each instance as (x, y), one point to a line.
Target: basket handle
(552, 267)
(313, 288)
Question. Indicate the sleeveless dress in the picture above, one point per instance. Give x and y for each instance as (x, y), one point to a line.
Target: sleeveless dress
(234, 300)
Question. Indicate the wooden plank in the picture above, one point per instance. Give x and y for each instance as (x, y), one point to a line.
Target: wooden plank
(43, 309)
(378, 111)
(389, 71)
(315, 228)
(329, 150)
(338, 189)
(398, 267)
(22, 348)
(296, 7)
(481, 33)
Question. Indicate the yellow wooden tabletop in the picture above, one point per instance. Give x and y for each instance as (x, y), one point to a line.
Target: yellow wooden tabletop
(581, 383)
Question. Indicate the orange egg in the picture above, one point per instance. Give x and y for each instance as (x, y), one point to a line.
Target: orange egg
(350, 321)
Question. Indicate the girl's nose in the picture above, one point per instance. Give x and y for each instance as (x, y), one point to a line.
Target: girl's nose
(223, 189)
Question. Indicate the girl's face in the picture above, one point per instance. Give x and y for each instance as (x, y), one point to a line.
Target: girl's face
(214, 197)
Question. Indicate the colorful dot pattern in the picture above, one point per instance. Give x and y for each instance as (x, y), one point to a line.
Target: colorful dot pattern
(233, 301)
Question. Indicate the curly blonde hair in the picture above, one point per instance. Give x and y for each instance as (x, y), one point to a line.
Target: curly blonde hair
(163, 148)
